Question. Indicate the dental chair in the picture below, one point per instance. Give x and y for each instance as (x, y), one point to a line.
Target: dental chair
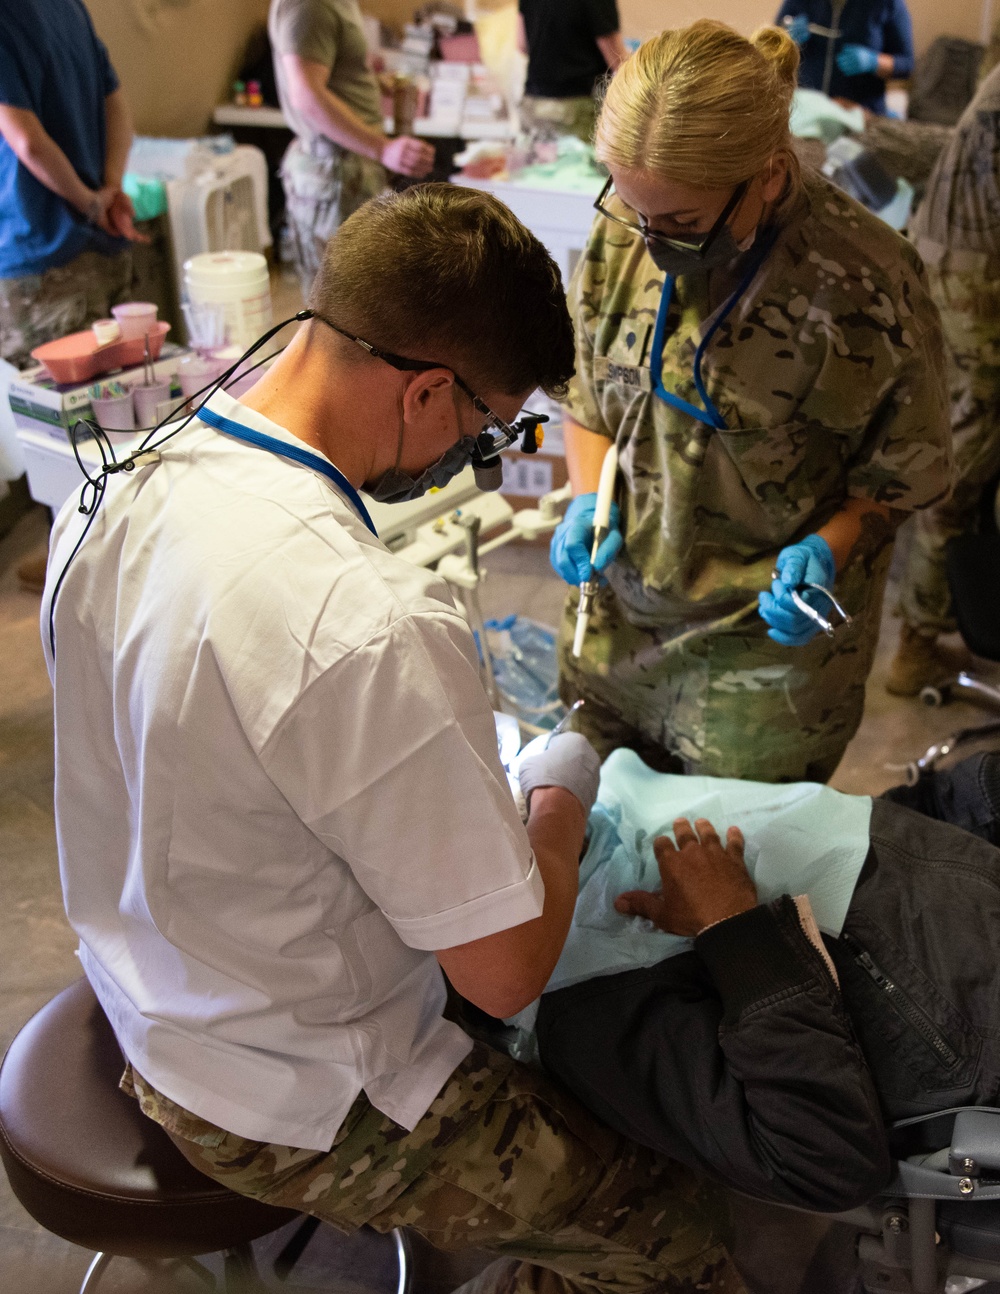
(973, 563)
(937, 1226)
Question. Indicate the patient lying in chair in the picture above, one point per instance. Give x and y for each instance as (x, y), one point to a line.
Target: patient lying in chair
(706, 1015)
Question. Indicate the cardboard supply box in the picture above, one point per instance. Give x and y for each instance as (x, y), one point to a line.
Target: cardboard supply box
(41, 405)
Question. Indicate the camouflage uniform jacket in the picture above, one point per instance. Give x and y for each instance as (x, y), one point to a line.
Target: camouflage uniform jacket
(828, 373)
(960, 215)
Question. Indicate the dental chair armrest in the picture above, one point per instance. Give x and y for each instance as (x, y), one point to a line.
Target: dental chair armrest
(975, 1143)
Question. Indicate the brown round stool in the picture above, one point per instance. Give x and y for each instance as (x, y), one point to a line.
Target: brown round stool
(88, 1165)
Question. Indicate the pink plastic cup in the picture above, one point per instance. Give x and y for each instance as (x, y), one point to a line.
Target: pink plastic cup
(147, 401)
(135, 318)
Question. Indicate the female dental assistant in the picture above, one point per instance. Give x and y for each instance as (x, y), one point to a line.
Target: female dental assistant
(765, 356)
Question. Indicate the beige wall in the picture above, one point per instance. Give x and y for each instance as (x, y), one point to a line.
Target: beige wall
(930, 17)
(642, 17)
(175, 58)
(393, 12)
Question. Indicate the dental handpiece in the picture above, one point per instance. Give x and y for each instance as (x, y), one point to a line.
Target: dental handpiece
(602, 525)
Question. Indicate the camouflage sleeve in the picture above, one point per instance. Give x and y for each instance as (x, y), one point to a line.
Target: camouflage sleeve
(584, 296)
(905, 459)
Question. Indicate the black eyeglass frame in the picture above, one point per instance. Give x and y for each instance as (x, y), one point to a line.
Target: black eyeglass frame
(498, 434)
(703, 243)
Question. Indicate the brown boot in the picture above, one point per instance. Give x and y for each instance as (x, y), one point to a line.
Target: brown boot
(918, 663)
(31, 572)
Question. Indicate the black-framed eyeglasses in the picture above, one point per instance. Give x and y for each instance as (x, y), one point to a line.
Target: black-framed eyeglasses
(497, 433)
(700, 243)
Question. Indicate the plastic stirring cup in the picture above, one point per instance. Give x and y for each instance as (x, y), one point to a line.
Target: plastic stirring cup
(136, 318)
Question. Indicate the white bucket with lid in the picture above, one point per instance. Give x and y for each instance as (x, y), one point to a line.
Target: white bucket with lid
(238, 285)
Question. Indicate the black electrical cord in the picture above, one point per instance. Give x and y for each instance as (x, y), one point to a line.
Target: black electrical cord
(94, 487)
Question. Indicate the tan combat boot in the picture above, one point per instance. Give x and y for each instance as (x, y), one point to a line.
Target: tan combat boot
(918, 663)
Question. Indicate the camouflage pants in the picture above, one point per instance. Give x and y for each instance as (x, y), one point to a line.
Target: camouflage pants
(548, 118)
(504, 1161)
(37, 308)
(969, 302)
(725, 704)
(324, 184)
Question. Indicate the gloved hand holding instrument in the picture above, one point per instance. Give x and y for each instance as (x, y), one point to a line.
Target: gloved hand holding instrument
(801, 602)
(857, 60)
(588, 539)
(798, 27)
(566, 759)
(571, 552)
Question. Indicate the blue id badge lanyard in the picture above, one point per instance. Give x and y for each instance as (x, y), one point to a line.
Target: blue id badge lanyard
(708, 413)
(297, 455)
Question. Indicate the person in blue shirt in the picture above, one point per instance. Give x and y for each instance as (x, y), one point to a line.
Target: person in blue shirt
(872, 42)
(65, 135)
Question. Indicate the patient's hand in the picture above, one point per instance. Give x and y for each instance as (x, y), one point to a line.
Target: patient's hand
(701, 882)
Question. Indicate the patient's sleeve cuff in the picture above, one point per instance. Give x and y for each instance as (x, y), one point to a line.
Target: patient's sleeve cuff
(755, 955)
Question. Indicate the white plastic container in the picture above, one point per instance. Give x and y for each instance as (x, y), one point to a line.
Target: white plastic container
(239, 283)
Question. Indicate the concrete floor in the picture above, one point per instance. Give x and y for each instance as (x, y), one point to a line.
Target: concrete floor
(38, 947)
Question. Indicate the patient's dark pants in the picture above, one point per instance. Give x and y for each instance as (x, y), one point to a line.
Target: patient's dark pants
(967, 796)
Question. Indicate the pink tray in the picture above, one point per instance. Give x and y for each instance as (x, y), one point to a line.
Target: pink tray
(78, 357)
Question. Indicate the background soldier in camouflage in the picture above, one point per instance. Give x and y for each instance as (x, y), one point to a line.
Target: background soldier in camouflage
(957, 233)
(828, 376)
(503, 1160)
(571, 46)
(332, 102)
(324, 184)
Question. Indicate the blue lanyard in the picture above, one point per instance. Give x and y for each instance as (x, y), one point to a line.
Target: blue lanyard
(708, 413)
(304, 456)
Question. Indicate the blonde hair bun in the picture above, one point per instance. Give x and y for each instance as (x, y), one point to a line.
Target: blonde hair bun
(778, 48)
(702, 105)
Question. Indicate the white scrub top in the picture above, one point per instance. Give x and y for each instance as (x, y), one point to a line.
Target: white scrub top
(277, 788)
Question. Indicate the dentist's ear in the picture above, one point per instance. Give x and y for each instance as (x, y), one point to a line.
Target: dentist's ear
(422, 389)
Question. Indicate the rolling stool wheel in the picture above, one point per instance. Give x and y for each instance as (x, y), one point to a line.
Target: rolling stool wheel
(89, 1166)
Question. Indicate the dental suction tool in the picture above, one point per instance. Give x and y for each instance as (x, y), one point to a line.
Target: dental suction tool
(602, 523)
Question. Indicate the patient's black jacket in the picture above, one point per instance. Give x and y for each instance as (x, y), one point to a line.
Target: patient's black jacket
(744, 1059)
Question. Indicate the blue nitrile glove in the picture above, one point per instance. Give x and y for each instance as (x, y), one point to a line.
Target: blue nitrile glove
(569, 552)
(856, 60)
(798, 28)
(809, 561)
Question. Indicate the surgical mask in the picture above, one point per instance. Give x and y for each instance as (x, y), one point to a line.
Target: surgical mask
(397, 486)
(677, 261)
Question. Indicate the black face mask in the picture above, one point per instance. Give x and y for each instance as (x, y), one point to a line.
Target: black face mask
(718, 247)
(678, 261)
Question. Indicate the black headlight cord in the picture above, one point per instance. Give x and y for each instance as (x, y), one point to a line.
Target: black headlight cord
(94, 487)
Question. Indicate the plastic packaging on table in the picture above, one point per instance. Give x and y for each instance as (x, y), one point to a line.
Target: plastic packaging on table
(526, 669)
